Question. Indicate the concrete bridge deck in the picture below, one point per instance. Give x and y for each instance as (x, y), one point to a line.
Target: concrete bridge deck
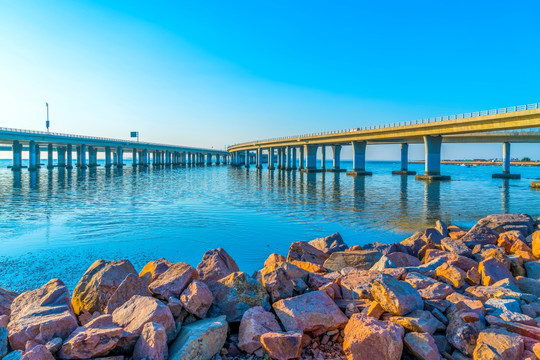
(503, 125)
(143, 153)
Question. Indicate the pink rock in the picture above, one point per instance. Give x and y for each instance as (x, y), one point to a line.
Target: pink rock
(39, 352)
(138, 311)
(197, 298)
(153, 269)
(303, 251)
(96, 338)
(422, 345)
(402, 260)
(98, 284)
(429, 288)
(4, 320)
(493, 270)
(41, 315)
(6, 298)
(132, 285)
(369, 338)
(282, 346)
(396, 297)
(255, 322)
(462, 262)
(173, 281)
(215, 265)
(277, 283)
(152, 344)
(329, 244)
(314, 312)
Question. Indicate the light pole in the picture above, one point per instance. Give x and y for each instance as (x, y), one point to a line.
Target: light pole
(47, 123)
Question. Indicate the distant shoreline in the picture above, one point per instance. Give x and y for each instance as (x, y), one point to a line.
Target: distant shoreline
(481, 163)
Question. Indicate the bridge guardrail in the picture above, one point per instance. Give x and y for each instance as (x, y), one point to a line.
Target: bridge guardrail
(504, 110)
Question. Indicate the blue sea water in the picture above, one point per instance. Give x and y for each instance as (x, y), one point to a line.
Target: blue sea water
(56, 223)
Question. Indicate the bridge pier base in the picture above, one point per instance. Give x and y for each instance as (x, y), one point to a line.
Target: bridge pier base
(336, 168)
(82, 161)
(61, 153)
(506, 165)
(404, 162)
(246, 159)
(301, 158)
(359, 159)
(433, 160)
(108, 162)
(119, 157)
(311, 159)
(50, 164)
(293, 161)
(69, 160)
(17, 156)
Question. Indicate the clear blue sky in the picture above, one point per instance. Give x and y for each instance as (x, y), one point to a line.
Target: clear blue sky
(213, 73)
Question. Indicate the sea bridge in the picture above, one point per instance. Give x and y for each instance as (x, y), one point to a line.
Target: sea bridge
(86, 149)
(516, 124)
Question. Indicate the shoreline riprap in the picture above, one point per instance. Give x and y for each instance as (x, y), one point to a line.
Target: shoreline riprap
(444, 292)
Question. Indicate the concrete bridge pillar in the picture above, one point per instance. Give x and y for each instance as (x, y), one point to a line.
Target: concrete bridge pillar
(83, 164)
(78, 150)
(38, 156)
(506, 165)
(145, 157)
(119, 157)
(92, 156)
(279, 158)
(134, 157)
(115, 158)
(32, 156)
(183, 158)
(17, 156)
(163, 158)
(61, 154)
(433, 159)
(50, 161)
(359, 159)
(293, 161)
(271, 158)
(301, 158)
(311, 158)
(247, 159)
(288, 158)
(323, 158)
(404, 162)
(258, 158)
(108, 163)
(69, 164)
(336, 165)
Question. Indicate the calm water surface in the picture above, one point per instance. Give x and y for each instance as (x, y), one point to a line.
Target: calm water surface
(56, 223)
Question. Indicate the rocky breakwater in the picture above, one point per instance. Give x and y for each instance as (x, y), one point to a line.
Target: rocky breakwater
(444, 292)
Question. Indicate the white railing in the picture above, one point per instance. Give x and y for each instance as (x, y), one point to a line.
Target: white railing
(97, 138)
(407, 123)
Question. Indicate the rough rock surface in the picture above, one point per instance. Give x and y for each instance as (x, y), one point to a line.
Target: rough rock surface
(282, 346)
(369, 338)
(255, 322)
(132, 285)
(153, 269)
(6, 298)
(152, 344)
(303, 251)
(48, 305)
(422, 345)
(360, 259)
(396, 297)
(498, 344)
(215, 265)
(329, 244)
(173, 281)
(314, 312)
(197, 298)
(98, 283)
(200, 340)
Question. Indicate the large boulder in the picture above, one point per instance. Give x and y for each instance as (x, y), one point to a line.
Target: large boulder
(313, 312)
(480, 235)
(152, 344)
(422, 345)
(369, 338)
(396, 297)
(415, 243)
(461, 332)
(215, 265)
(508, 222)
(96, 338)
(536, 243)
(277, 282)
(428, 288)
(359, 259)
(173, 281)
(419, 321)
(401, 259)
(153, 269)
(98, 283)
(197, 298)
(329, 244)
(235, 294)
(495, 344)
(255, 322)
(6, 298)
(283, 346)
(41, 315)
(492, 270)
(302, 251)
(131, 286)
(37, 352)
(529, 286)
(200, 340)
(135, 313)
(533, 269)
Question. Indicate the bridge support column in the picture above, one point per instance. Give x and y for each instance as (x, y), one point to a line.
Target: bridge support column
(108, 162)
(50, 163)
(92, 157)
(293, 154)
(247, 159)
(280, 158)
(61, 154)
(145, 157)
(323, 158)
(69, 164)
(208, 159)
(311, 159)
(32, 156)
(336, 149)
(506, 165)
(134, 157)
(359, 159)
(433, 159)
(119, 157)
(301, 158)
(17, 156)
(404, 162)
(271, 159)
(288, 158)
(38, 156)
(259, 158)
(82, 161)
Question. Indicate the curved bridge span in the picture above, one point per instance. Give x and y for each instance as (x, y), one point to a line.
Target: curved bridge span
(504, 125)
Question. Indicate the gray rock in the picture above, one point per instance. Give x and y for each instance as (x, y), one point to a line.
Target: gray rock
(3, 341)
(383, 263)
(533, 269)
(456, 246)
(329, 244)
(361, 259)
(396, 297)
(504, 304)
(6, 298)
(480, 235)
(508, 222)
(200, 340)
(530, 286)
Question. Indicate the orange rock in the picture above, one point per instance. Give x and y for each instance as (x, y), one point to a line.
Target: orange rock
(274, 259)
(153, 269)
(451, 275)
(498, 344)
(536, 243)
(311, 267)
(374, 310)
(493, 270)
